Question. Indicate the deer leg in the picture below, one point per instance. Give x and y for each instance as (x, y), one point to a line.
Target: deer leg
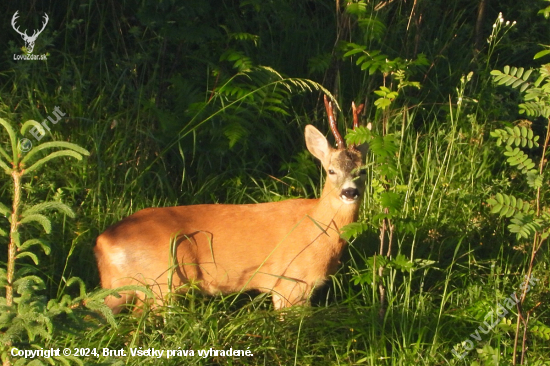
(290, 294)
(116, 303)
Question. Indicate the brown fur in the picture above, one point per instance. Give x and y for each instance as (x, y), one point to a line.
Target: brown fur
(285, 248)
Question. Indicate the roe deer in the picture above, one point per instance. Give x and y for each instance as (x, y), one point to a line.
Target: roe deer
(284, 248)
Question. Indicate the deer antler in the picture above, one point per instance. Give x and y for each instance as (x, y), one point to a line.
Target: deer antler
(13, 19)
(356, 112)
(332, 123)
(35, 34)
(24, 34)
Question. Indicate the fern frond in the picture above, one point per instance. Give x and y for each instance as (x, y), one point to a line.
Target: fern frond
(240, 61)
(374, 27)
(234, 131)
(319, 63)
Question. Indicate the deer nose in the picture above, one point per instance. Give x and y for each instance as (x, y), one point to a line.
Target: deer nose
(350, 193)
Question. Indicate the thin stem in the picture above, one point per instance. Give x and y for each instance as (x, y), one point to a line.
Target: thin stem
(381, 288)
(542, 163)
(14, 238)
(524, 339)
(13, 245)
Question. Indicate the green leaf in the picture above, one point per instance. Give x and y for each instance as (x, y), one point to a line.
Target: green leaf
(234, 131)
(51, 156)
(356, 8)
(401, 263)
(507, 205)
(382, 103)
(30, 123)
(534, 179)
(496, 208)
(358, 136)
(31, 242)
(527, 74)
(353, 230)
(4, 210)
(354, 48)
(81, 285)
(524, 226)
(52, 145)
(541, 54)
(25, 283)
(31, 255)
(41, 219)
(45, 206)
(540, 330)
(11, 133)
(391, 200)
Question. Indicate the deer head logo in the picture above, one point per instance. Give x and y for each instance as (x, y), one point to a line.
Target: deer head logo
(29, 40)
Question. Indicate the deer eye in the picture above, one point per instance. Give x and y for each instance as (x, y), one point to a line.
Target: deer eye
(331, 172)
(363, 171)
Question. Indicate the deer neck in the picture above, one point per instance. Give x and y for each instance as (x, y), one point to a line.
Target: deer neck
(331, 212)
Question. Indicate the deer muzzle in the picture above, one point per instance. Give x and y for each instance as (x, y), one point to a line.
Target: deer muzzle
(349, 195)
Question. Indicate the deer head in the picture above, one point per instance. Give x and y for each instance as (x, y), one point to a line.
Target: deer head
(343, 164)
(29, 40)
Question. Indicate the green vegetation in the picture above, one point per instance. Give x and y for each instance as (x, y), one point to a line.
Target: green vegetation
(176, 103)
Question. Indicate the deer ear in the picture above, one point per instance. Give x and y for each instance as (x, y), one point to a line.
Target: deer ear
(317, 144)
